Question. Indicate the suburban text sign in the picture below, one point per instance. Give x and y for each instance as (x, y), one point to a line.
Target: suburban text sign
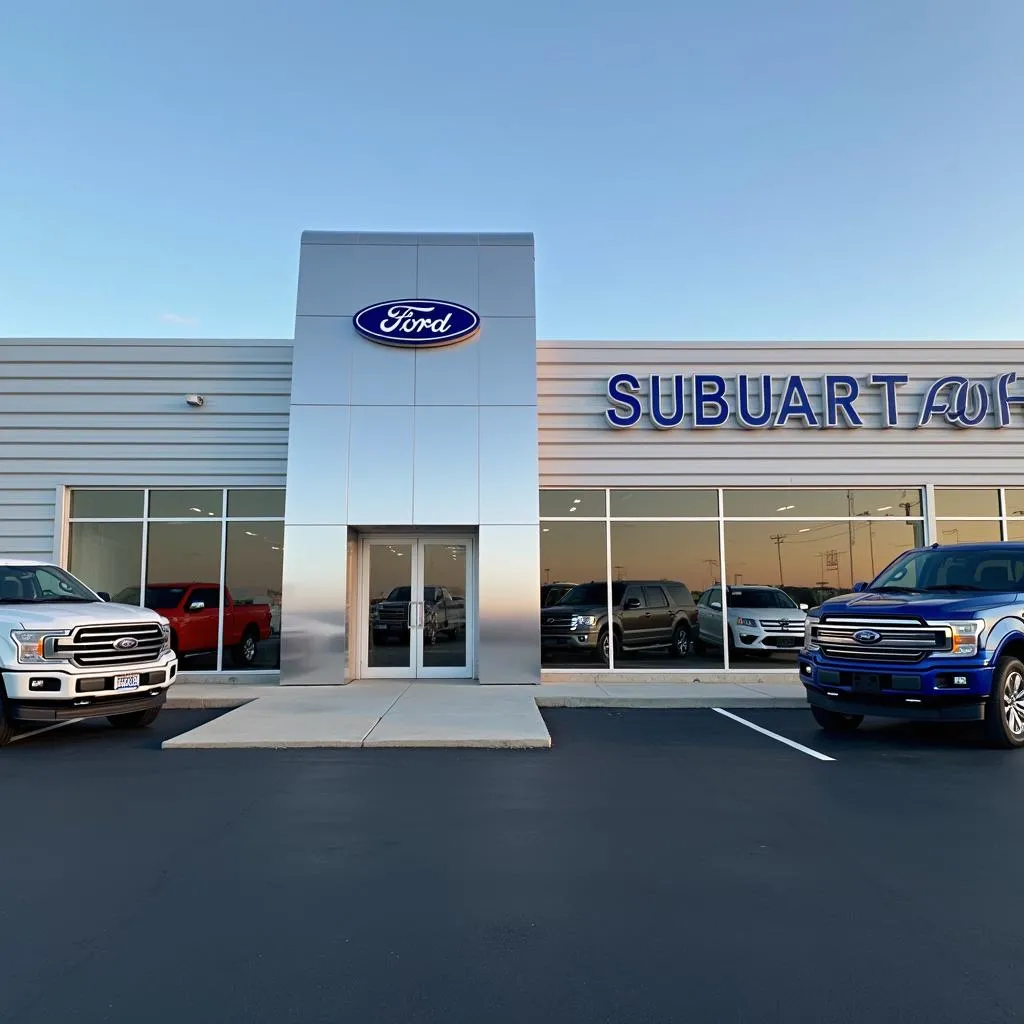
(761, 401)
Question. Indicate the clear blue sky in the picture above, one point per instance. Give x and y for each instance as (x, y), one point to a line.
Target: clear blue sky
(691, 168)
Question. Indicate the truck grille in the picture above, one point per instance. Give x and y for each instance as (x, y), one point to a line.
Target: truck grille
(393, 614)
(904, 640)
(782, 625)
(94, 646)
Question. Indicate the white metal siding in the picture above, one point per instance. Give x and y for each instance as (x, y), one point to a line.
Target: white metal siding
(578, 448)
(112, 413)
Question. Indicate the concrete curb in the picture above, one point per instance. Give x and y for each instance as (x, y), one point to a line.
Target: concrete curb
(690, 703)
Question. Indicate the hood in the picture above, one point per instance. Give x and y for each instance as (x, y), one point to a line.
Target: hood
(769, 614)
(937, 605)
(566, 611)
(68, 616)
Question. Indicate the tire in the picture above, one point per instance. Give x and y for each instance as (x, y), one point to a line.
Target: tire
(245, 653)
(835, 721)
(134, 719)
(603, 647)
(682, 641)
(1004, 709)
(7, 730)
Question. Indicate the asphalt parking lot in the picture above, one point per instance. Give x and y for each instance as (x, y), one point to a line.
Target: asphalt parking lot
(652, 866)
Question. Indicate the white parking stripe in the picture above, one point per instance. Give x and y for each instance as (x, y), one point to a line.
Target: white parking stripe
(774, 735)
(45, 728)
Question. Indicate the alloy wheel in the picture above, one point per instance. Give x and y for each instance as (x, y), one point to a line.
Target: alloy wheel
(682, 643)
(249, 649)
(1013, 702)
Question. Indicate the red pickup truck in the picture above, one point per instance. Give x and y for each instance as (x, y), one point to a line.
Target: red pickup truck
(193, 608)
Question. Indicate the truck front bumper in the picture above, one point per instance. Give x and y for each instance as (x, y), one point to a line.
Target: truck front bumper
(48, 693)
(926, 691)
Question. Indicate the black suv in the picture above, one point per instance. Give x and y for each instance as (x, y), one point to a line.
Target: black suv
(646, 615)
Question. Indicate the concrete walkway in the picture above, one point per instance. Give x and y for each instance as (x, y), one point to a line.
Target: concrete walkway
(426, 714)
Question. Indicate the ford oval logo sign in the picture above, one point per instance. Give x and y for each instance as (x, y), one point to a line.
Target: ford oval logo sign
(867, 636)
(126, 643)
(416, 323)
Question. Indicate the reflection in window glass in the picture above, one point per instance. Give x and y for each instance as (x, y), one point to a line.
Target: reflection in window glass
(810, 562)
(966, 501)
(1015, 529)
(664, 504)
(669, 565)
(902, 502)
(185, 504)
(107, 504)
(256, 504)
(106, 556)
(964, 531)
(576, 502)
(252, 599)
(183, 561)
(573, 553)
(1014, 502)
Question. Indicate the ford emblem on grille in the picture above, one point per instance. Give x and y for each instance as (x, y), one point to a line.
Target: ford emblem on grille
(126, 643)
(784, 625)
(867, 636)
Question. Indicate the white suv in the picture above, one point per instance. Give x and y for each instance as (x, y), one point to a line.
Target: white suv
(66, 653)
(762, 619)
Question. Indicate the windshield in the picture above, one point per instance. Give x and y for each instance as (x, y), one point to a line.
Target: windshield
(157, 598)
(41, 584)
(400, 594)
(590, 595)
(766, 598)
(998, 568)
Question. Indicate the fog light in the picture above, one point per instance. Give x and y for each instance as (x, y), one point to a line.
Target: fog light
(959, 680)
(45, 685)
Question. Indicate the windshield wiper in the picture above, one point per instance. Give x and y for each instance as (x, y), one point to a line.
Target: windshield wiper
(954, 587)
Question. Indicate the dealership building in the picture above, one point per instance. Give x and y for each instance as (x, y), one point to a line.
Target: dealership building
(397, 491)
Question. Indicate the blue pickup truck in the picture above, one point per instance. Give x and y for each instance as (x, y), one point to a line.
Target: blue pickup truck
(937, 636)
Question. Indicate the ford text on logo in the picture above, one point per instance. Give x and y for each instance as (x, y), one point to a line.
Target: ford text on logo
(416, 323)
(126, 643)
(867, 636)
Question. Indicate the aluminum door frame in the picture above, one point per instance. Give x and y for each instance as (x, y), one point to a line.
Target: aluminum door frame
(416, 669)
(468, 671)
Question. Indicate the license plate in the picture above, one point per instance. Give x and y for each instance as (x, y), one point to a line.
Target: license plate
(864, 683)
(789, 641)
(127, 682)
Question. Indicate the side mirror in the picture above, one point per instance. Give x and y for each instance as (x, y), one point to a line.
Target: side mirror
(633, 602)
(196, 606)
(804, 607)
(102, 595)
(717, 605)
(858, 587)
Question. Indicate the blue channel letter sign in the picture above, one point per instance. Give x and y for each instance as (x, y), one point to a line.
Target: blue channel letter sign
(763, 402)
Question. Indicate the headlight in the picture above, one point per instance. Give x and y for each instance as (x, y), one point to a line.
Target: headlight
(583, 622)
(36, 648)
(810, 643)
(740, 621)
(965, 638)
(165, 637)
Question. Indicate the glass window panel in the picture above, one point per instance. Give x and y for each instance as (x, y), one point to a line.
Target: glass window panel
(183, 568)
(966, 501)
(663, 504)
(252, 599)
(185, 504)
(1014, 501)
(256, 503)
(572, 553)
(575, 502)
(809, 562)
(389, 642)
(678, 561)
(964, 531)
(1015, 529)
(899, 502)
(107, 557)
(444, 605)
(107, 504)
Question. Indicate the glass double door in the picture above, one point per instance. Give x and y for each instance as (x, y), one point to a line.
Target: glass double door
(417, 599)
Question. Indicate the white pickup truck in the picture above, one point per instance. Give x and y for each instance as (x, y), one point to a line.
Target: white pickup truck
(67, 653)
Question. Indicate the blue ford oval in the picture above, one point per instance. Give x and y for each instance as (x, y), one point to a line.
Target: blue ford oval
(416, 323)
